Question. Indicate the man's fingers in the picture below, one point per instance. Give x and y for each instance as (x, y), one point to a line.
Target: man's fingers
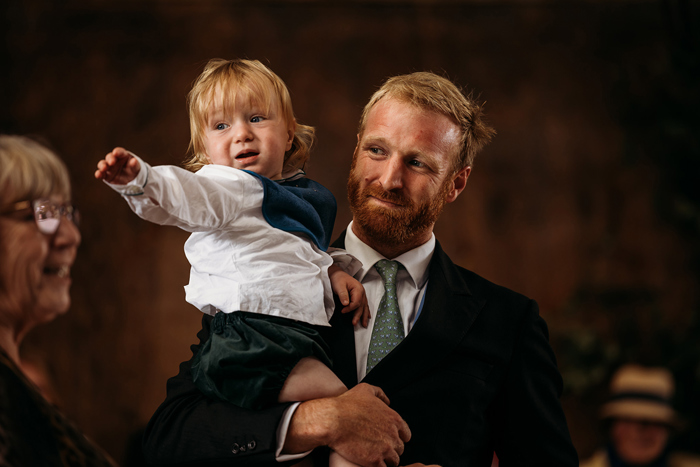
(370, 433)
(404, 432)
(380, 394)
(394, 459)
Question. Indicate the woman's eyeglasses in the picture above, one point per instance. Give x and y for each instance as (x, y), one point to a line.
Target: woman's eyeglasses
(47, 214)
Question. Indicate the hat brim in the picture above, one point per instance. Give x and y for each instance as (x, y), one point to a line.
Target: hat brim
(640, 410)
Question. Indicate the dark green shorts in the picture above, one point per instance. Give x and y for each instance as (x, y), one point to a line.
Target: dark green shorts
(249, 356)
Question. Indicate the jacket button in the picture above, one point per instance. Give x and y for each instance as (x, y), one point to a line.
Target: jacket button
(236, 448)
(252, 445)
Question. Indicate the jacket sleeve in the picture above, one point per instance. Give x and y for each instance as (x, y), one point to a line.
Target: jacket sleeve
(533, 429)
(190, 429)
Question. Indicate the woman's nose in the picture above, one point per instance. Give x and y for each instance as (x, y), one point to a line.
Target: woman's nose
(67, 234)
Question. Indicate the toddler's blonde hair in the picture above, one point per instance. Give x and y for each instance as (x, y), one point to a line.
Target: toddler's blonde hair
(253, 81)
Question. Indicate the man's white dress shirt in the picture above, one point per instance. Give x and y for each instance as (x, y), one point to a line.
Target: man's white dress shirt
(411, 282)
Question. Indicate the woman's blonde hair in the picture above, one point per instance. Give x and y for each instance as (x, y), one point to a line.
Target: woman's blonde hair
(250, 80)
(431, 92)
(29, 170)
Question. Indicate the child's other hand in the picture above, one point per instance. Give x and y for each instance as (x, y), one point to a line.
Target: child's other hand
(351, 294)
(118, 167)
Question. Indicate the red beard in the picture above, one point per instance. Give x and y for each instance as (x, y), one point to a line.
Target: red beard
(397, 225)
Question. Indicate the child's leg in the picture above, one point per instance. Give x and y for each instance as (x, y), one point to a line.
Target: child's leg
(336, 460)
(310, 379)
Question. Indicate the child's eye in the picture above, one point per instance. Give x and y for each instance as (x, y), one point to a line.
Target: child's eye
(221, 126)
(257, 119)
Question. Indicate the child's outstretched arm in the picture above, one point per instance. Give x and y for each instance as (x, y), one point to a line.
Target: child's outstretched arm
(351, 294)
(118, 167)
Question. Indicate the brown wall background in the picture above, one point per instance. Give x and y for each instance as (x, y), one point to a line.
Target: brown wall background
(586, 200)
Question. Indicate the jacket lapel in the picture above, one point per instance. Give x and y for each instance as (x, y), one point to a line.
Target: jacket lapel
(448, 313)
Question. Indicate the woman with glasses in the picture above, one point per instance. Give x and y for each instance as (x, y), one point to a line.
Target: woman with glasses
(39, 239)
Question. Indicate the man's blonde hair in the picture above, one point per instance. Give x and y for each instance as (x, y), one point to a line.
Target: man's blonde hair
(431, 92)
(29, 171)
(250, 80)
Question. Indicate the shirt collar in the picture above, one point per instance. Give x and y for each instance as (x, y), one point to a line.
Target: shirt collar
(415, 261)
(295, 174)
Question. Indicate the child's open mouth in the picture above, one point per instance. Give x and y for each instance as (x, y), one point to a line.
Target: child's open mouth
(246, 155)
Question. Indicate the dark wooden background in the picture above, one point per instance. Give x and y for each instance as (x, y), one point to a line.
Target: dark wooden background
(585, 201)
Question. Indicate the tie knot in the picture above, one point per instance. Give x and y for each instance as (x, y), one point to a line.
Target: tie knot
(387, 270)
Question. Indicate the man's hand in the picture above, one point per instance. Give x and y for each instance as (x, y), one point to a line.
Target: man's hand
(118, 167)
(358, 425)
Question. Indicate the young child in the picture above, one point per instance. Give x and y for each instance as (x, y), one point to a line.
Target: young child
(260, 231)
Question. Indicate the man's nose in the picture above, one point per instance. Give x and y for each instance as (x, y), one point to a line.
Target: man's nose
(392, 174)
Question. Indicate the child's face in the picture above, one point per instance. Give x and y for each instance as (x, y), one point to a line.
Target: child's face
(250, 138)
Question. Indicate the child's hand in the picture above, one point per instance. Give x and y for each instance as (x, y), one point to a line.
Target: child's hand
(351, 294)
(118, 167)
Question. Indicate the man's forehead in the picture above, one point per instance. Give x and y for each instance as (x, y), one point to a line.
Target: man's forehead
(402, 123)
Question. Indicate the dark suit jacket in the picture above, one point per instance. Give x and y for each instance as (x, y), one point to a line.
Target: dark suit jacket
(475, 375)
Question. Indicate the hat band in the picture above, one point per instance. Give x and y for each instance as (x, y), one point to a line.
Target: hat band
(640, 396)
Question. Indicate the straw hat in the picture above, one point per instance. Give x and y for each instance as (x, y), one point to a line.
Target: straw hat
(641, 393)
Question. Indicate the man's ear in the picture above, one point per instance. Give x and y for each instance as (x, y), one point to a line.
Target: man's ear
(459, 183)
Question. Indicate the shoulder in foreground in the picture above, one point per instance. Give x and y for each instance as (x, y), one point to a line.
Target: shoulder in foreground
(683, 459)
(598, 459)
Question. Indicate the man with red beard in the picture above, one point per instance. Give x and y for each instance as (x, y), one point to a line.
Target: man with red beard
(452, 367)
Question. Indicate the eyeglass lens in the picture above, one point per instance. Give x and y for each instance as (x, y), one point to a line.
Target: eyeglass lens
(48, 215)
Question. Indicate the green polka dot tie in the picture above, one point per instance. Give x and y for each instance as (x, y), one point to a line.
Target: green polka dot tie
(388, 325)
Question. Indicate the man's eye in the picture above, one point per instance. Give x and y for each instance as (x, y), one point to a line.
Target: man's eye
(221, 126)
(376, 151)
(416, 163)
